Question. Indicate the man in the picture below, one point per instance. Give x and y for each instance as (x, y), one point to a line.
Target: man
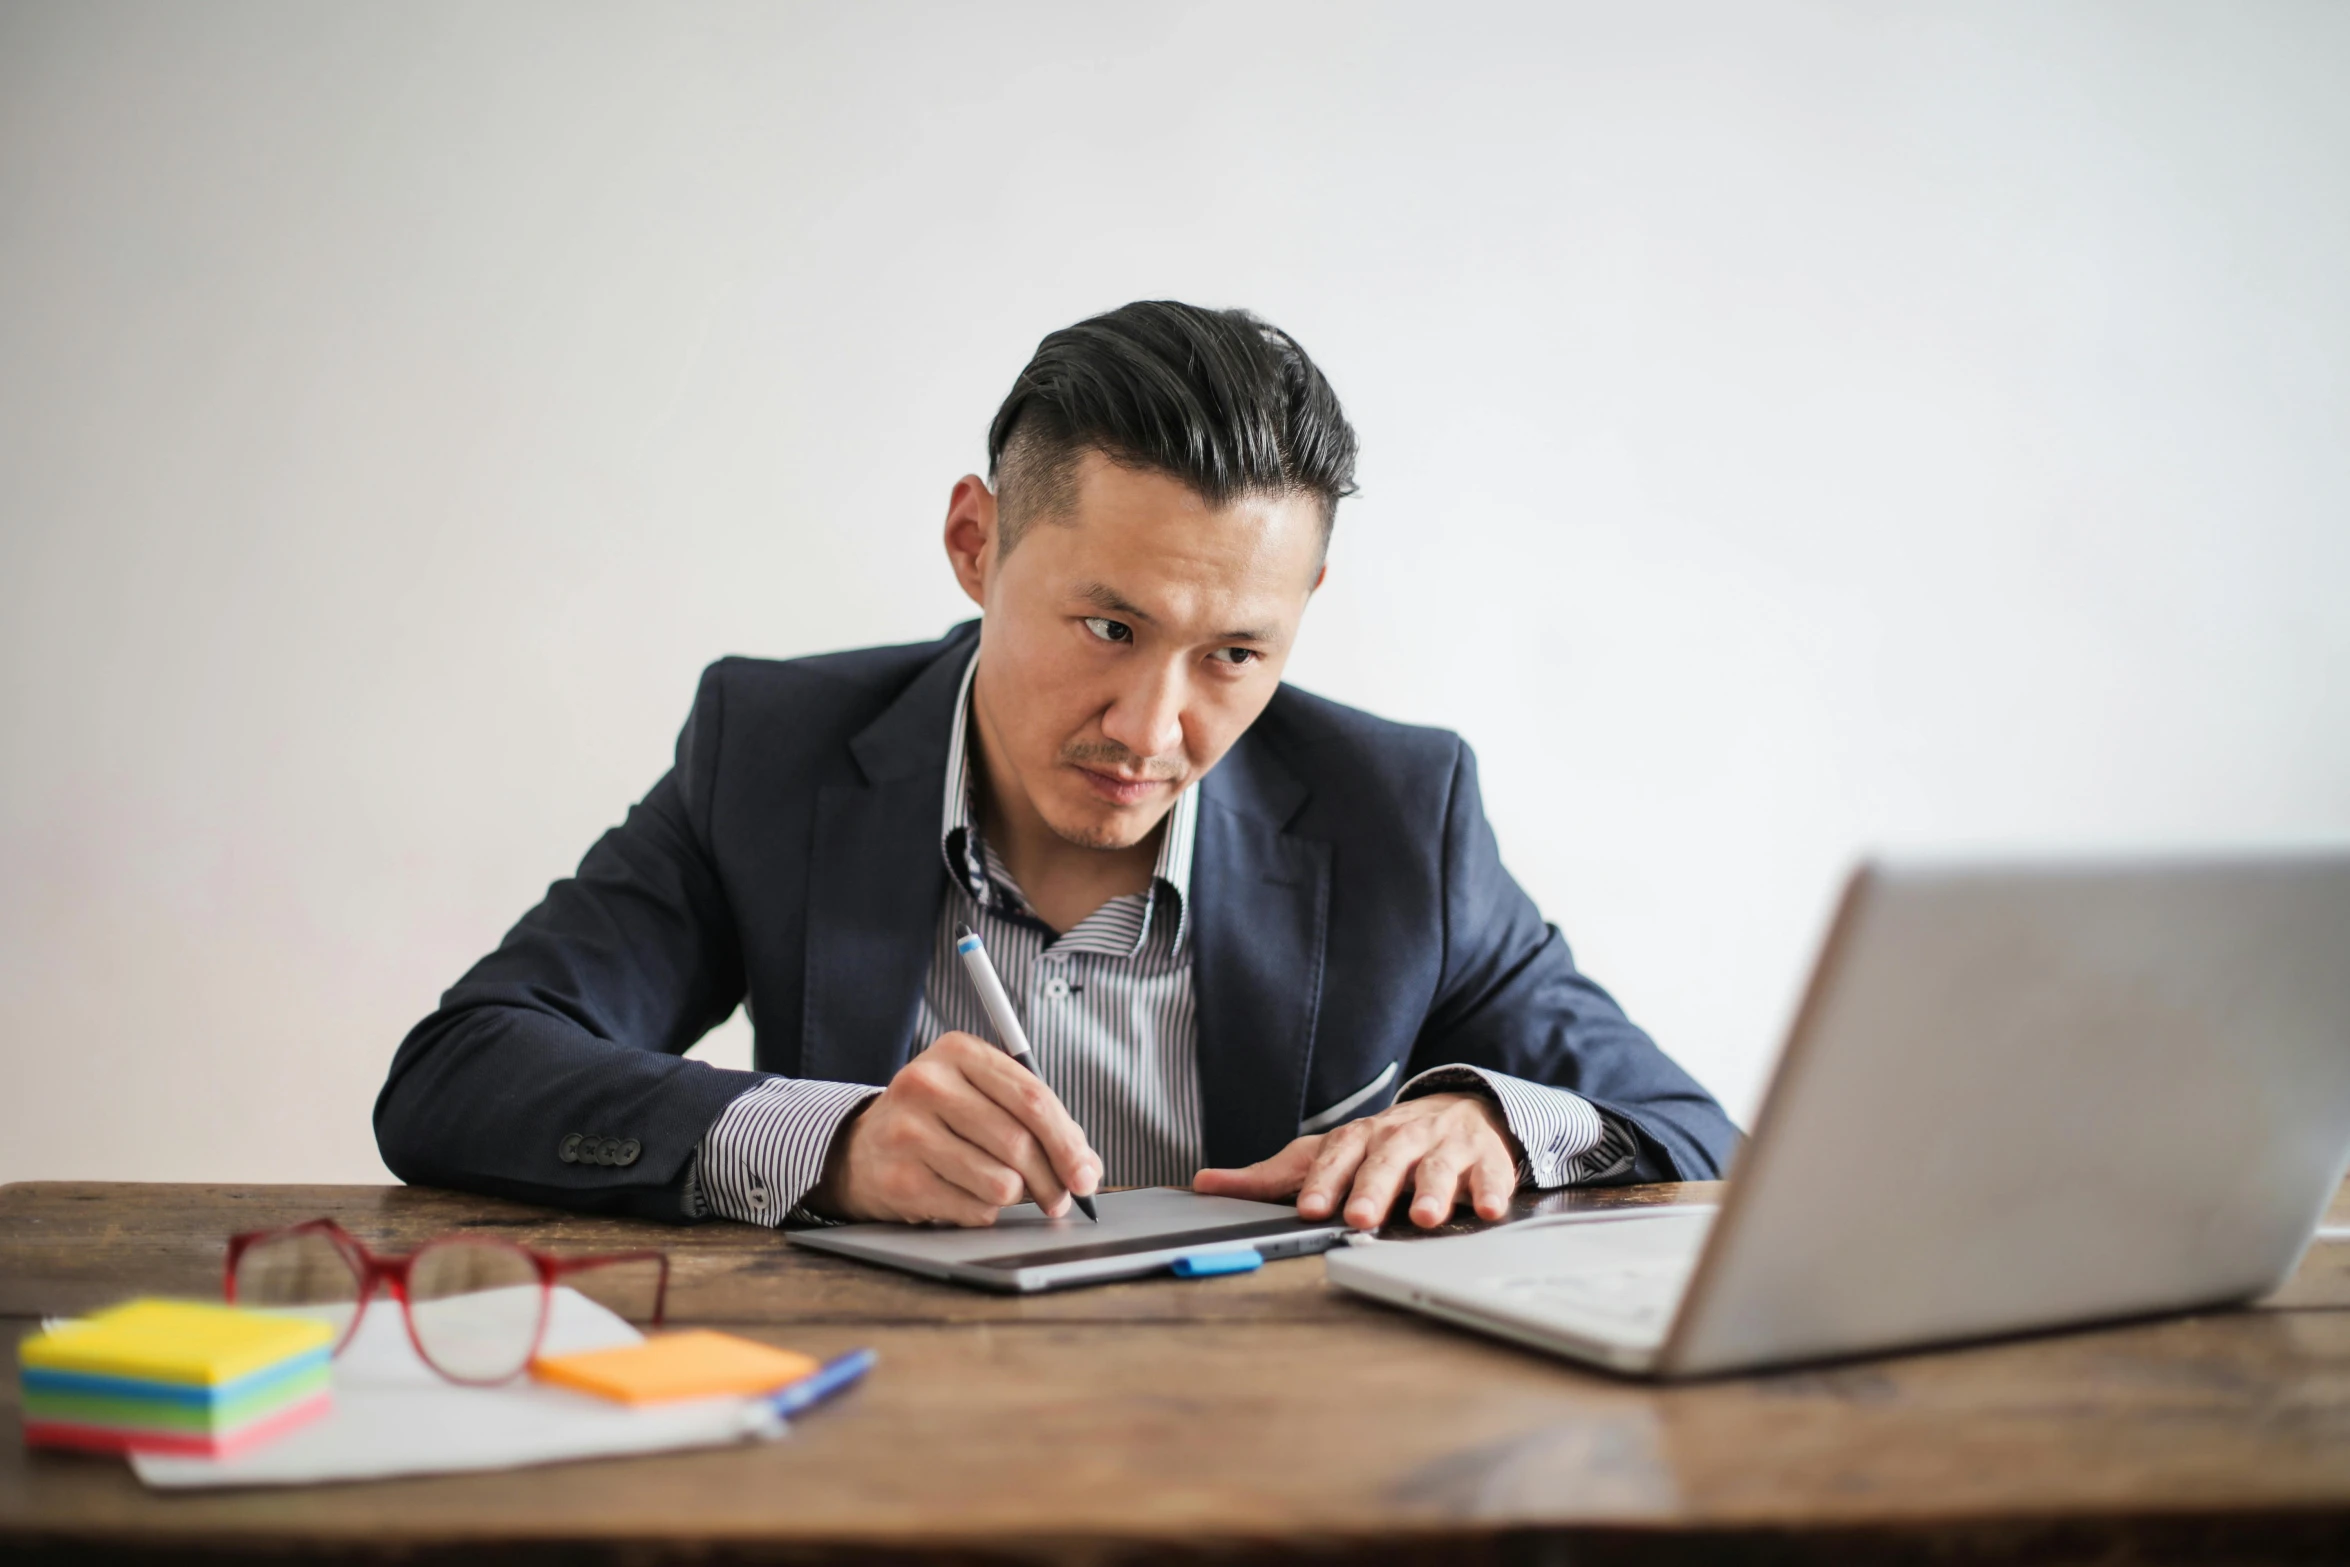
(1246, 927)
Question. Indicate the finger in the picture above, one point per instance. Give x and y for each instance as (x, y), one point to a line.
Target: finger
(1381, 1176)
(1493, 1180)
(1033, 1103)
(934, 1200)
(969, 1167)
(1436, 1183)
(896, 1182)
(910, 1131)
(1334, 1169)
(960, 1080)
(987, 1126)
(1279, 1176)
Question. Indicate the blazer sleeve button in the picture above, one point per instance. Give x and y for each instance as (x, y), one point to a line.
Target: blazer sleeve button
(629, 1150)
(568, 1150)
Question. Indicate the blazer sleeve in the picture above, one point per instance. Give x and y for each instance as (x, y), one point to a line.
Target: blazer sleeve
(554, 1071)
(1511, 999)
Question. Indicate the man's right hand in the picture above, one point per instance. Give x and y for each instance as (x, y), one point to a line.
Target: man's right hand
(960, 1132)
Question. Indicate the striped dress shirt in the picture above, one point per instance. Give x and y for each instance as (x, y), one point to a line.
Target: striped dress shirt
(1110, 1016)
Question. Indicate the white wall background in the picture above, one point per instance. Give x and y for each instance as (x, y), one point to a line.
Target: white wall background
(1788, 428)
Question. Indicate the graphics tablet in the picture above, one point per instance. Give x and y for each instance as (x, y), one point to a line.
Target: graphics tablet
(1140, 1232)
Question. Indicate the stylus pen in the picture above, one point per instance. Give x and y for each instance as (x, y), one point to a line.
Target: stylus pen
(1011, 1038)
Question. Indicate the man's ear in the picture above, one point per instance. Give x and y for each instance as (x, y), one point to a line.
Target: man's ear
(1321, 573)
(971, 535)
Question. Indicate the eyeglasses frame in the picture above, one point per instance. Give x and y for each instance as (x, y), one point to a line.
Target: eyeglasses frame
(373, 1269)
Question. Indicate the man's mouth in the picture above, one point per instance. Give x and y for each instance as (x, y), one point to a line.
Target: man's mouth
(1119, 789)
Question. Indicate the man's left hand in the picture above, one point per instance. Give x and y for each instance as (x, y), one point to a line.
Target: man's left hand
(1446, 1146)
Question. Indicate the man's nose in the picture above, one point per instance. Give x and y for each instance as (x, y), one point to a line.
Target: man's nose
(1147, 716)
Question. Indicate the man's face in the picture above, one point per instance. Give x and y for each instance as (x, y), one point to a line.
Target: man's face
(1126, 645)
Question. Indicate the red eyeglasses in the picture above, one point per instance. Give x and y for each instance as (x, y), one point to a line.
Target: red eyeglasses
(475, 1306)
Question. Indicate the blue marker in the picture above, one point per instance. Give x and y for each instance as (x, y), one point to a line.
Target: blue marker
(834, 1376)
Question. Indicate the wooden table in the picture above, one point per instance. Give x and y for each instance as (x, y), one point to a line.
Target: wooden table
(1259, 1415)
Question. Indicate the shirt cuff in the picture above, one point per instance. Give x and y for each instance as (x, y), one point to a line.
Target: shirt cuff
(766, 1152)
(1563, 1139)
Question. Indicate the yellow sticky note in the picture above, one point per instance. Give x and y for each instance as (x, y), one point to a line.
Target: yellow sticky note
(187, 1342)
(694, 1364)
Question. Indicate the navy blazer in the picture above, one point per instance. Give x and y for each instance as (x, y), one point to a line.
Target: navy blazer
(1349, 912)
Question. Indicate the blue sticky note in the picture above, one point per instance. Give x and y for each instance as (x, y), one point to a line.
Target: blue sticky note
(1207, 1265)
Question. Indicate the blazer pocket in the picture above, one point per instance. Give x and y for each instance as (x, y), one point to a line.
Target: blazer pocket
(1324, 1120)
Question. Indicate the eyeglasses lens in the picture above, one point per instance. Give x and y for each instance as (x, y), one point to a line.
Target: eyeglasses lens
(475, 1305)
(302, 1271)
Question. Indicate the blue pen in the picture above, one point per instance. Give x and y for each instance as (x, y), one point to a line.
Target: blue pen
(834, 1376)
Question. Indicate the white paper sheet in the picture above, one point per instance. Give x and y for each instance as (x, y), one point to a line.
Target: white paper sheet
(394, 1415)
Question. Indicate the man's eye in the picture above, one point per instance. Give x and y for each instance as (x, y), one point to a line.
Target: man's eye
(1237, 657)
(1109, 630)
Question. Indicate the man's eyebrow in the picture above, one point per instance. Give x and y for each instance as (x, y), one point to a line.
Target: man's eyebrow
(1106, 598)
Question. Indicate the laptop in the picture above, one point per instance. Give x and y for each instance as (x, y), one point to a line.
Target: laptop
(2015, 1097)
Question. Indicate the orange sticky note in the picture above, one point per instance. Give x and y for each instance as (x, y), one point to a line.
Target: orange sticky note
(693, 1364)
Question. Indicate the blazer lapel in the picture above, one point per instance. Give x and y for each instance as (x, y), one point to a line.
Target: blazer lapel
(1260, 928)
(875, 882)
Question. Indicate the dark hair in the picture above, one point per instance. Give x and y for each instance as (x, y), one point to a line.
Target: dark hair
(1216, 398)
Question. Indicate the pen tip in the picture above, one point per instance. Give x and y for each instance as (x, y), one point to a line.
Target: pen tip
(1086, 1203)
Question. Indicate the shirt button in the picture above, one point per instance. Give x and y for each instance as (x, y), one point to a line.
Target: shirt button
(1057, 988)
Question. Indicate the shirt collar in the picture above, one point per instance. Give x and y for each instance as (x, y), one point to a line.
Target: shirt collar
(975, 868)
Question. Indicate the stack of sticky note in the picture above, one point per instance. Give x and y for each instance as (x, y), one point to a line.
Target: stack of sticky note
(173, 1376)
(696, 1364)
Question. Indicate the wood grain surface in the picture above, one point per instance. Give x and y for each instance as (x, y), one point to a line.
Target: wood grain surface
(70, 1246)
(1262, 1415)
